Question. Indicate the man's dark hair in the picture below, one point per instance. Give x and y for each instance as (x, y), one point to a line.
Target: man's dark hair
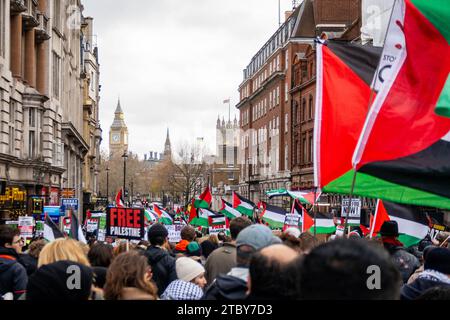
(100, 255)
(188, 233)
(237, 225)
(272, 279)
(7, 235)
(157, 241)
(340, 270)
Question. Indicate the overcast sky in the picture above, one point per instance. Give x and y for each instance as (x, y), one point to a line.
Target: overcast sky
(173, 62)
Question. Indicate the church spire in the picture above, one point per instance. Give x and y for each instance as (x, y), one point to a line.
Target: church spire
(167, 146)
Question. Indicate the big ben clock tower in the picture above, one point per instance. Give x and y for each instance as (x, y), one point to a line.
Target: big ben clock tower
(118, 134)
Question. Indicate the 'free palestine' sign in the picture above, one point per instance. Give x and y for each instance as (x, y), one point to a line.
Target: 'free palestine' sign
(125, 223)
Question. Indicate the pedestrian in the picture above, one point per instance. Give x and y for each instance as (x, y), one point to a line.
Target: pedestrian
(190, 283)
(100, 255)
(194, 251)
(162, 263)
(50, 282)
(223, 259)
(341, 270)
(405, 262)
(208, 247)
(274, 274)
(13, 276)
(63, 249)
(233, 286)
(129, 278)
(290, 239)
(436, 274)
(187, 235)
(308, 242)
(30, 259)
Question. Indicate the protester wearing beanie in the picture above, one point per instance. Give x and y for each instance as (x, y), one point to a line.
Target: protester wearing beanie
(160, 260)
(50, 282)
(191, 281)
(436, 274)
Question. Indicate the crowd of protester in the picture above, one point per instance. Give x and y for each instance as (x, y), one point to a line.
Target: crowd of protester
(254, 263)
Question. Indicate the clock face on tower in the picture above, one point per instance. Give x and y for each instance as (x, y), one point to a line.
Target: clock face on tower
(115, 137)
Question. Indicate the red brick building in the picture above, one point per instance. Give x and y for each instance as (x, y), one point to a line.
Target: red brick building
(277, 97)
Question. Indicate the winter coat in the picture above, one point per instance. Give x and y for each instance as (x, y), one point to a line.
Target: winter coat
(129, 293)
(182, 290)
(226, 287)
(405, 262)
(13, 276)
(181, 246)
(30, 263)
(425, 281)
(220, 261)
(163, 267)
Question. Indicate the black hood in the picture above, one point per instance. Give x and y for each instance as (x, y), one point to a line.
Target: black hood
(155, 254)
(231, 287)
(5, 264)
(418, 287)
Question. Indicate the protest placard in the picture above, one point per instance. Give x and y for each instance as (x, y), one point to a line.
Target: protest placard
(26, 226)
(125, 223)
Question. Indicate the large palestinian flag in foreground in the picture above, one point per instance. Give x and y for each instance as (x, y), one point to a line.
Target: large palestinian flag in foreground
(228, 210)
(163, 216)
(404, 141)
(272, 215)
(346, 70)
(243, 205)
(413, 225)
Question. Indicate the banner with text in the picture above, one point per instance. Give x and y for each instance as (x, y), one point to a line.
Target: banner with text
(125, 223)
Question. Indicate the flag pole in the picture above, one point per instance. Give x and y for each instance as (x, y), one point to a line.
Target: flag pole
(372, 227)
(315, 212)
(349, 202)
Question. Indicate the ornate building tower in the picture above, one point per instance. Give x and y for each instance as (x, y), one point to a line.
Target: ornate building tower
(118, 134)
(167, 147)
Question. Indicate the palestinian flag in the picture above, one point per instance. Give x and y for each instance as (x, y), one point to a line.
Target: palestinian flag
(306, 221)
(51, 230)
(202, 219)
(191, 212)
(204, 201)
(324, 224)
(344, 75)
(218, 220)
(75, 228)
(304, 197)
(119, 199)
(272, 215)
(150, 217)
(163, 216)
(276, 193)
(243, 205)
(228, 210)
(413, 224)
(405, 141)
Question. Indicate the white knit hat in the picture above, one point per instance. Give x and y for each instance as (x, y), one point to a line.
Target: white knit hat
(188, 269)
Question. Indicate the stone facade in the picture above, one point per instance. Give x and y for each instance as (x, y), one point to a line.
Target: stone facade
(42, 148)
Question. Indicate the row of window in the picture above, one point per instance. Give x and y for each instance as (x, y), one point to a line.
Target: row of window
(277, 40)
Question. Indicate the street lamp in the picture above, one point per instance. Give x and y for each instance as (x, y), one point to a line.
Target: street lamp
(107, 186)
(124, 156)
